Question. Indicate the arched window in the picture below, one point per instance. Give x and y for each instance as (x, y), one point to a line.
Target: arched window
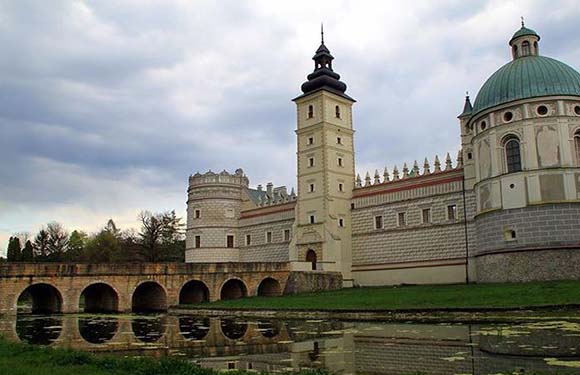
(310, 111)
(577, 146)
(512, 154)
(525, 48)
(515, 51)
(337, 112)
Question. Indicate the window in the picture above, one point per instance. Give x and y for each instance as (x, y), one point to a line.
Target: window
(268, 237)
(231, 365)
(312, 219)
(310, 140)
(337, 112)
(341, 222)
(525, 48)
(339, 162)
(197, 242)
(378, 222)
(577, 110)
(339, 139)
(402, 219)
(311, 162)
(512, 154)
(542, 110)
(311, 188)
(426, 214)
(577, 146)
(452, 212)
(483, 125)
(197, 214)
(286, 235)
(508, 116)
(248, 240)
(310, 111)
(340, 187)
(230, 240)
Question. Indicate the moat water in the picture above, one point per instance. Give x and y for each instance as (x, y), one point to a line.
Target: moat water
(544, 347)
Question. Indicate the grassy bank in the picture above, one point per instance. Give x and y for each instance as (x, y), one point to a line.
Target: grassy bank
(473, 296)
(24, 359)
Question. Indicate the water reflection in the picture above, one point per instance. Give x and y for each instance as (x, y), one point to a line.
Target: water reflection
(97, 329)
(341, 347)
(149, 328)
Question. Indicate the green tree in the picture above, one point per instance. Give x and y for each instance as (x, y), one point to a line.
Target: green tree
(160, 235)
(57, 242)
(76, 246)
(14, 249)
(27, 252)
(41, 245)
(102, 248)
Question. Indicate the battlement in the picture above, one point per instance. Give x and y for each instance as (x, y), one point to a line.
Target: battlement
(222, 178)
(407, 173)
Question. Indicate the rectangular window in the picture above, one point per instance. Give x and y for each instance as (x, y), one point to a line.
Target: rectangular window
(310, 140)
(340, 187)
(197, 242)
(312, 219)
(311, 188)
(286, 235)
(311, 162)
(378, 222)
(452, 212)
(338, 140)
(402, 219)
(230, 240)
(426, 215)
(248, 240)
(197, 214)
(268, 237)
(341, 222)
(340, 162)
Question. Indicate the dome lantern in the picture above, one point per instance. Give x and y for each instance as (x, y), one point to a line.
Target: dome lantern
(524, 42)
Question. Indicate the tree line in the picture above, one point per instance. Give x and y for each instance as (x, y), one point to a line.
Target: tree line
(160, 239)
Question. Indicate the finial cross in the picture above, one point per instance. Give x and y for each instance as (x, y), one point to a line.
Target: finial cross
(322, 33)
(522, 17)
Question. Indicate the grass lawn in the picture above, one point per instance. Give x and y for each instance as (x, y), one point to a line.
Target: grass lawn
(476, 296)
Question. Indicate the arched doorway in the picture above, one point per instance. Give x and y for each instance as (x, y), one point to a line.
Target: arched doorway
(311, 257)
(192, 292)
(40, 299)
(99, 298)
(269, 287)
(233, 289)
(149, 297)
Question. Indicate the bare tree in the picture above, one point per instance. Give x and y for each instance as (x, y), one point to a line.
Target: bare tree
(160, 233)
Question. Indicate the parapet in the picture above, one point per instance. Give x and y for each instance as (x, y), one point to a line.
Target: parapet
(223, 178)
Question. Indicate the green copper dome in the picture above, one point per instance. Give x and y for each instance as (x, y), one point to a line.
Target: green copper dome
(524, 31)
(527, 77)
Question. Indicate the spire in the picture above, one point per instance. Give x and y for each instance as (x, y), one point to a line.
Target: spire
(323, 76)
(467, 107)
(523, 24)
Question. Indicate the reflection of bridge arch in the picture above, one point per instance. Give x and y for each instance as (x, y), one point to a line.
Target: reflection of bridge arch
(98, 330)
(193, 328)
(233, 289)
(43, 298)
(233, 329)
(269, 287)
(149, 296)
(99, 297)
(193, 291)
(149, 329)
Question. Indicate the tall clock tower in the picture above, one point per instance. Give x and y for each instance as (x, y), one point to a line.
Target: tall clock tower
(326, 175)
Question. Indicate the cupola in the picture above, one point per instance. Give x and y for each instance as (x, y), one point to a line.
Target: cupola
(524, 42)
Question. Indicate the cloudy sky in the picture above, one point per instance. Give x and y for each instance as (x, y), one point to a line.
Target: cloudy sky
(107, 106)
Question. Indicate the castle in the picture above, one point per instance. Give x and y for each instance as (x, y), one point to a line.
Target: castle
(506, 210)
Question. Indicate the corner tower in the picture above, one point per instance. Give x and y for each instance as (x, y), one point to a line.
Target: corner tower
(325, 170)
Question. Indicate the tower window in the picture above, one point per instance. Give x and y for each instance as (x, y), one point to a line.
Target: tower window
(426, 213)
(286, 235)
(577, 146)
(230, 241)
(512, 154)
(268, 237)
(525, 48)
(341, 222)
(339, 140)
(197, 242)
(248, 240)
(310, 111)
(311, 188)
(452, 212)
(337, 112)
(310, 140)
(340, 187)
(402, 218)
(312, 219)
(378, 222)
(339, 162)
(197, 214)
(311, 162)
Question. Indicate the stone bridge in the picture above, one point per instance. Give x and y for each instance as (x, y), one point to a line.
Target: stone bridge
(139, 287)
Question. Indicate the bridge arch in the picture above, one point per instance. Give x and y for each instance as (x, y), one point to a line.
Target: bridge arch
(149, 296)
(193, 291)
(99, 297)
(42, 298)
(269, 287)
(233, 288)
